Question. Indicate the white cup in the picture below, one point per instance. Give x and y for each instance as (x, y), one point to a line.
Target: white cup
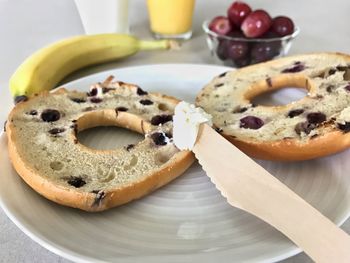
(104, 16)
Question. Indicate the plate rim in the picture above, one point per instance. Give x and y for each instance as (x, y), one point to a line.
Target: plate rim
(204, 65)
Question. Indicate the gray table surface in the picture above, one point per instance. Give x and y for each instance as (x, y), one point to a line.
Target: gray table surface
(28, 25)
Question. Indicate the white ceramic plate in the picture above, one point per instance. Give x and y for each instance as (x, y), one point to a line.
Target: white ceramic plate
(185, 221)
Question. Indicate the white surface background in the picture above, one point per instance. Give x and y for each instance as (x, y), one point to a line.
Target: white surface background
(26, 26)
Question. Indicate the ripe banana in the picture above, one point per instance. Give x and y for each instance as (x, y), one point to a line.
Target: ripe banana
(45, 68)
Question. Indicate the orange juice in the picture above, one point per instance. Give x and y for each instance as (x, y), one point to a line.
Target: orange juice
(170, 17)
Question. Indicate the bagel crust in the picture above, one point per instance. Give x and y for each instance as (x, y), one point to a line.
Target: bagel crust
(45, 152)
(314, 126)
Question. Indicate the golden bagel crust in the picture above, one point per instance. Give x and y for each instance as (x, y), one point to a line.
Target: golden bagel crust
(116, 193)
(282, 137)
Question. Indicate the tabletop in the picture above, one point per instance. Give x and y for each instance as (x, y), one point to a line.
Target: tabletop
(26, 26)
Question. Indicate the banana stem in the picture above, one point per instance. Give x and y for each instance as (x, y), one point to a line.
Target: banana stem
(158, 44)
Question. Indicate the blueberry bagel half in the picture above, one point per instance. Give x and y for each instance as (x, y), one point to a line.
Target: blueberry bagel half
(45, 152)
(314, 126)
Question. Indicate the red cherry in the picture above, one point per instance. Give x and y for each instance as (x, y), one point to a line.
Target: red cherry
(236, 34)
(270, 34)
(237, 50)
(282, 26)
(265, 51)
(256, 24)
(220, 25)
(237, 12)
(241, 62)
(222, 49)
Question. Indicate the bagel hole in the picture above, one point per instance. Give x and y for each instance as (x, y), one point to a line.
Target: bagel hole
(56, 165)
(108, 137)
(347, 74)
(162, 158)
(279, 97)
(163, 107)
(132, 162)
(165, 155)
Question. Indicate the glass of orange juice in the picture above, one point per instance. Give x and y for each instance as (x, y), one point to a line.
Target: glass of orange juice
(171, 18)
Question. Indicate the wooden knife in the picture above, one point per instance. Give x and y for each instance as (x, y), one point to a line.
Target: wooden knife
(248, 186)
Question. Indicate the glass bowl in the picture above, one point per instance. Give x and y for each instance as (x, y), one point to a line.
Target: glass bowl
(238, 51)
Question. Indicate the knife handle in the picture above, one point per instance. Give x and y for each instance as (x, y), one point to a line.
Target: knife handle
(248, 186)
